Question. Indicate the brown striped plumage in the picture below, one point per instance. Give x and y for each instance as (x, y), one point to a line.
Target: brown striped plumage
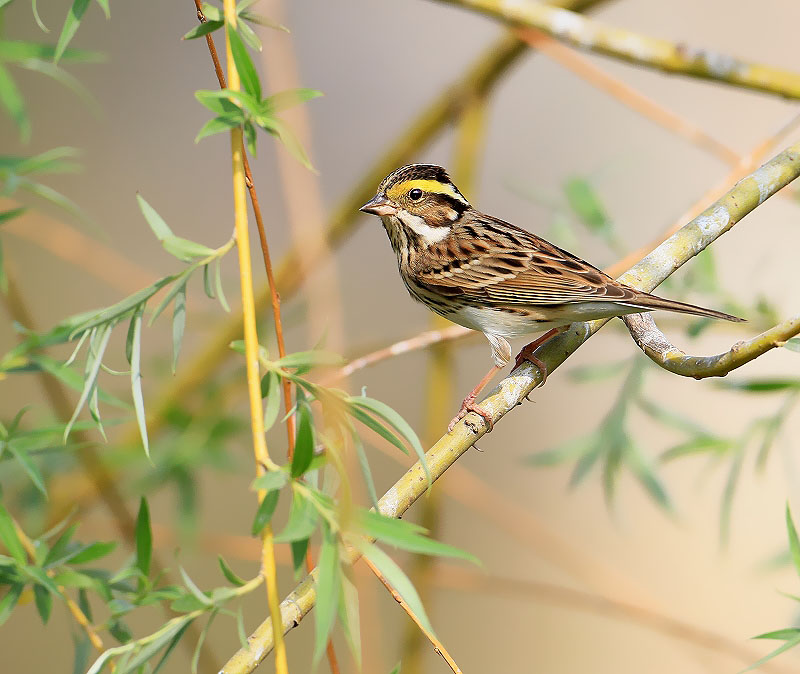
(487, 274)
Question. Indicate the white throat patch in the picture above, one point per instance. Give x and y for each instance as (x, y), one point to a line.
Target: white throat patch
(428, 234)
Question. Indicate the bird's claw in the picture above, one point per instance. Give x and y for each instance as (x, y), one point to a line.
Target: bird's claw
(469, 406)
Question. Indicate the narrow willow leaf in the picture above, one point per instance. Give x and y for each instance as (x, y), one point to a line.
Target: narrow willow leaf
(30, 467)
(761, 385)
(271, 390)
(299, 549)
(244, 64)
(58, 554)
(727, 496)
(398, 580)
(282, 130)
(328, 588)
(93, 551)
(349, 614)
(240, 628)
(186, 250)
(230, 576)
(793, 344)
(178, 324)
(302, 520)
(9, 600)
(44, 602)
(304, 442)
(94, 359)
(170, 295)
(646, 474)
(201, 640)
(160, 228)
(289, 98)
(407, 536)
(64, 78)
(71, 24)
(104, 6)
(170, 647)
(265, 511)
(203, 29)
(310, 359)
(165, 636)
(262, 20)
(249, 36)
(699, 445)
(399, 424)
(82, 647)
(566, 452)
(791, 643)
(209, 290)
(363, 463)
(212, 12)
(144, 538)
(136, 376)
(42, 578)
(196, 591)
(219, 124)
(3, 275)
(219, 102)
(396, 669)
(584, 201)
(218, 285)
(12, 101)
(6, 216)
(794, 542)
(379, 428)
(274, 479)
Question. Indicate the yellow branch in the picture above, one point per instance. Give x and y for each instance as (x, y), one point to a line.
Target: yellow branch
(263, 461)
(643, 50)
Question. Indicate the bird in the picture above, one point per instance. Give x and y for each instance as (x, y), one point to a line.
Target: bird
(494, 277)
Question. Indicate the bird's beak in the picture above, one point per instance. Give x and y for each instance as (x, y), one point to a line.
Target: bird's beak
(379, 205)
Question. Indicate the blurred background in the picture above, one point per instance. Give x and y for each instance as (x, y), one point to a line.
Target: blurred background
(571, 579)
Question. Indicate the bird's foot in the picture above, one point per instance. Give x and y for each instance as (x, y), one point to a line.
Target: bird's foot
(469, 406)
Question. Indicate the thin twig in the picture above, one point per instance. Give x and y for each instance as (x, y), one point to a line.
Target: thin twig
(437, 645)
(663, 353)
(645, 275)
(643, 50)
(275, 300)
(262, 458)
(74, 609)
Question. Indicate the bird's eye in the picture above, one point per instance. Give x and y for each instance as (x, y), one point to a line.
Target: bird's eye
(415, 194)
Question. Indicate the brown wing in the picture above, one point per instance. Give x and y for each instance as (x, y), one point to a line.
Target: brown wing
(497, 263)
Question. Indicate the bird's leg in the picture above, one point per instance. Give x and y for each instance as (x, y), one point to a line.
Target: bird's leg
(527, 352)
(469, 402)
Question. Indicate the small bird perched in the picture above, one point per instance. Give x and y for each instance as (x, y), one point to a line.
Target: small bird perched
(488, 275)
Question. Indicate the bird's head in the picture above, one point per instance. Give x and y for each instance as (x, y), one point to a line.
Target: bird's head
(419, 198)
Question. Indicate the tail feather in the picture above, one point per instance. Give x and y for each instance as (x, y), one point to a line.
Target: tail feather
(653, 302)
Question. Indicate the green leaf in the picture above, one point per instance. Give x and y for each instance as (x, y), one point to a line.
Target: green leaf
(186, 250)
(280, 129)
(8, 535)
(248, 36)
(299, 549)
(398, 580)
(9, 600)
(288, 99)
(71, 24)
(93, 362)
(273, 479)
(203, 29)
(789, 644)
(793, 344)
(218, 286)
(219, 124)
(766, 385)
(307, 360)
(12, 101)
(244, 65)
(177, 626)
(794, 542)
(44, 602)
(586, 204)
(302, 520)
(207, 282)
(104, 6)
(363, 463)
(178, 324)
(144, 538)
(58, 554)
(407, 536)
(93, 551)
(349, 614)
(265, 511)
(135, 332)
(6, 216)
(230, 576)
(30, 467)
(328, 588)
(400, 425)
(160, 228)
(16, 51)
(271, 391)
(782, 635)
(381, 430)
(196, 591)
(595, 371)
(304, 442)
(80, 661)
(262, 20)
(170, 647)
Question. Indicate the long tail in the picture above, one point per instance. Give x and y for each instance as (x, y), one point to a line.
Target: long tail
(652, 302)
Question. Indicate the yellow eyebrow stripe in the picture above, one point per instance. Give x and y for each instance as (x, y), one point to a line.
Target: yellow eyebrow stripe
(425, 185)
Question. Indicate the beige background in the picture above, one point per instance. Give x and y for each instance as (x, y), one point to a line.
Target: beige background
(378, 63)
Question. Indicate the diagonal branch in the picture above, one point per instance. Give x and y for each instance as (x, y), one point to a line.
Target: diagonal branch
(663, 353)
(639, 49)
(694, 237)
